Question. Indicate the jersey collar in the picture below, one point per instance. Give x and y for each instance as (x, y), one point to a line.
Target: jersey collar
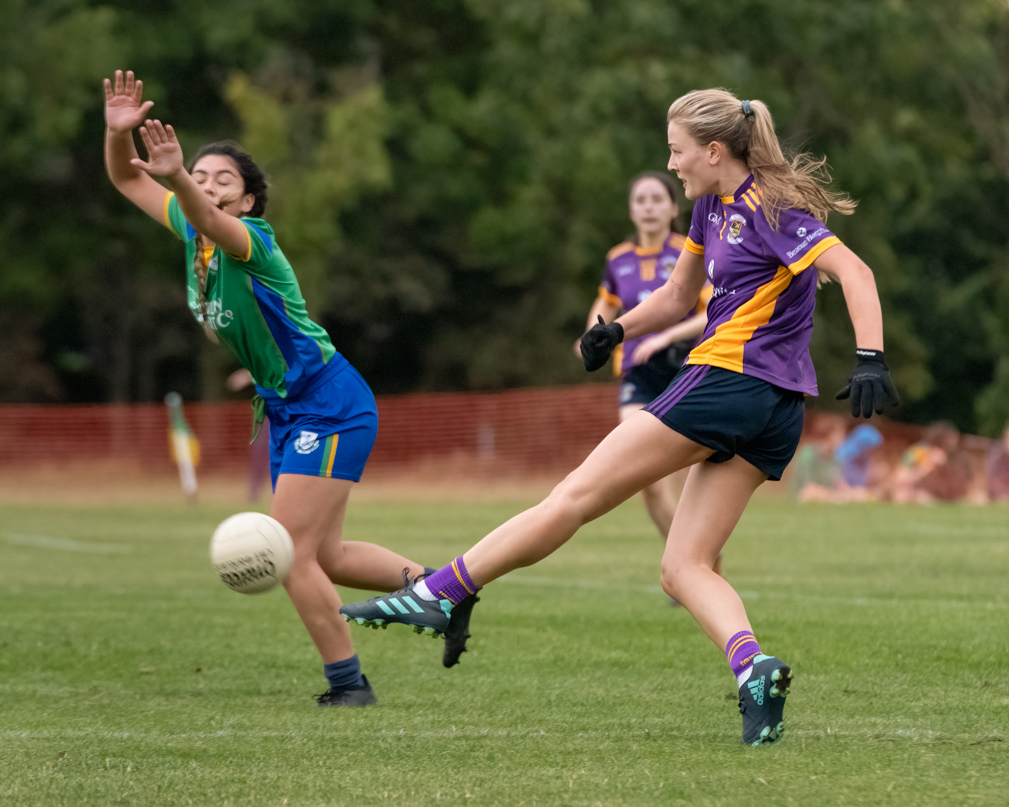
(739, 191)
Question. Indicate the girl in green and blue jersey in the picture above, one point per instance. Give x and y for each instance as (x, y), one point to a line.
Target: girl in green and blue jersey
(244, 293)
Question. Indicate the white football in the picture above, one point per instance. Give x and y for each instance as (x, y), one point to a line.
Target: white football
(251, 552)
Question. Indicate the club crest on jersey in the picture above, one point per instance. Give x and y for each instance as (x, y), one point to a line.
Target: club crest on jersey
(306, 443)
(212, 266)
(667, 267)
(736, 223)
(801, 232)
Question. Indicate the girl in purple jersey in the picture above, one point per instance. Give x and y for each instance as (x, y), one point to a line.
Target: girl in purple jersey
(634, 269)
(734, 414)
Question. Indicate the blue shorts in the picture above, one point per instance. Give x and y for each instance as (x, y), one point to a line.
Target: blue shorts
(734, 414)
(328, 431)
(643, 383)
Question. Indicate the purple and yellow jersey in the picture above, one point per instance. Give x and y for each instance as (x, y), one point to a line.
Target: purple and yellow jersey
(760, 318)
(254, 305)
(632, 274)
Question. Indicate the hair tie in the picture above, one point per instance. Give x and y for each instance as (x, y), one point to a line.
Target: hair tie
(747, 110)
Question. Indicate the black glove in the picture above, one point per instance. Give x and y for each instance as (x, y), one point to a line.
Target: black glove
(598, 343)
(869, 385)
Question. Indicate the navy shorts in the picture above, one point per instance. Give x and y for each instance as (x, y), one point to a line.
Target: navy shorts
(328, 431)
(734, 414)
(643, 383)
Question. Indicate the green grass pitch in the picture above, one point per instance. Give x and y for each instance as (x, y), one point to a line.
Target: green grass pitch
(130, 676)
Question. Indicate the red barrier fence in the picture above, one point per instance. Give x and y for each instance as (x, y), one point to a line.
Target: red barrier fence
(514, 432)
(434, 436)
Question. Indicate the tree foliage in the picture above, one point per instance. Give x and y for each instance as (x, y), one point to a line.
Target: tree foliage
(447, 176)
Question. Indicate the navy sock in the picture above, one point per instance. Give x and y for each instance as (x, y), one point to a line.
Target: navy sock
(342, 674)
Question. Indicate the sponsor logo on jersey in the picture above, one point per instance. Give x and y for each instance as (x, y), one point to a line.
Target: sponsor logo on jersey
(306, 443)
(711, 271)
(806, 242)
(736, 223)
(212, 266)
(215, 315)
(801, 232)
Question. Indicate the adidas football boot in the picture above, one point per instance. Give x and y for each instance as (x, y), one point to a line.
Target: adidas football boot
(457, 631)
(348, 696)
(762, 700)
(404, 607)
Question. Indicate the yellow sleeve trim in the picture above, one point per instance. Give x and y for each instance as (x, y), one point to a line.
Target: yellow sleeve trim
(690, 246)
(612, 299)
(813, 254)
(168, 221)
(244, 258)
(248, 249)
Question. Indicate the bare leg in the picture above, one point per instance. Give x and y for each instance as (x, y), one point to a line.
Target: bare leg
(638, 452)
(713, 501)
(312, 509)
(358, 564)
(662, 495)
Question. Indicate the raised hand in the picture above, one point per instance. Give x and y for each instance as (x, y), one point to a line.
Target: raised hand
(124, 108)
(164, 154)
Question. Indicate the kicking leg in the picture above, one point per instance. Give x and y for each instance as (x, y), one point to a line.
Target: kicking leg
(635, 454)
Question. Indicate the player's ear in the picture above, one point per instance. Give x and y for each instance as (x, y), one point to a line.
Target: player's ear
(716, 151)
(248, 202)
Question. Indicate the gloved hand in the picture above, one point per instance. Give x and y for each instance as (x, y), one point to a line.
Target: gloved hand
(598, 342)
(869, 385)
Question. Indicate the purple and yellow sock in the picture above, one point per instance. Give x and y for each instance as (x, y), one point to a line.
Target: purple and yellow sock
(740, 651)
(452, 582)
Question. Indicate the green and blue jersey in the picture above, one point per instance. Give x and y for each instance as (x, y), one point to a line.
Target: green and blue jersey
(253, 304)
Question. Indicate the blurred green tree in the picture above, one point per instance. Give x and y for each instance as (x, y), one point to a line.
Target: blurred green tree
(447, 177)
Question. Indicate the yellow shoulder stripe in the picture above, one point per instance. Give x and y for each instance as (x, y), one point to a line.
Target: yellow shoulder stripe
(813, 254)
(619, 249)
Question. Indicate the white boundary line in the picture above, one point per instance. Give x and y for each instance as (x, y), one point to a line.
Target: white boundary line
(62, 544)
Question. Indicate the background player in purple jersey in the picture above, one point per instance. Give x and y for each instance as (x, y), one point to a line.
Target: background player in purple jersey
(634, 269)
(734, 413)
(322, 413)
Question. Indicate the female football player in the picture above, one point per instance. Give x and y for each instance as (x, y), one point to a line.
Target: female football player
(322, 414)
(734, 414)
(634, 269)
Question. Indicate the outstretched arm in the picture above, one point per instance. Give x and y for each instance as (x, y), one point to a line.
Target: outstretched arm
(869, 386)
(680, 332)
(125, 111)
(670, 303)
(842, 265)
(164, 159)
(601, 307)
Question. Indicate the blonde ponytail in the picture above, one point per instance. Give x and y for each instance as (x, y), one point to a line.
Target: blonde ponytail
(748, 132)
